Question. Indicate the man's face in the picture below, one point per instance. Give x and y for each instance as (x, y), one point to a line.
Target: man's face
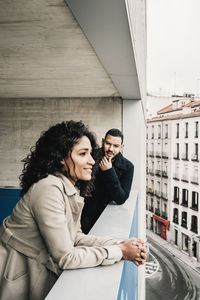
(112, 145)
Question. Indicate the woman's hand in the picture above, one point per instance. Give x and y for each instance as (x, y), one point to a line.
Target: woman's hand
(134, 250)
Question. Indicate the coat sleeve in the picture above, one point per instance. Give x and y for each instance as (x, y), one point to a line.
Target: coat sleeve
(118, 189)
(48, 208)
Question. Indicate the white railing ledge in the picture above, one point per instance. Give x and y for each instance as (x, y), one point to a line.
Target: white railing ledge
(102, 282)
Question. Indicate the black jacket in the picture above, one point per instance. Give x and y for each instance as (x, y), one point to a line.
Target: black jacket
(110, 185)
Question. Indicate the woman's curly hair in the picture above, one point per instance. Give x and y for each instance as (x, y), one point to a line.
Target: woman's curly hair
(53, 146)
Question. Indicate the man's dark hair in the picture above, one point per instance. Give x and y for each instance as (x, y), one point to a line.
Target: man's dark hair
(115, 132)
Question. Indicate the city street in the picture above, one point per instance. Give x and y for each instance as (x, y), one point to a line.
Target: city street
(174, 280)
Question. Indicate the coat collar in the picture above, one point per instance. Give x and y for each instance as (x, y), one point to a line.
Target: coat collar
(119, 161)
(69, 188)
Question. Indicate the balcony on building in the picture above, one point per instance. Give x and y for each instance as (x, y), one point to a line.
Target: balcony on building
(194, 207)
(176, 156)
(158, 173)
(157, 193)
(151, 208)
(184, 224)
(151, 153)
(165, 154)
(164, 215)
(158, 154)
(176, 176)
(184, 203)
(164, 174)
(194, 180)
(184, 156)
(185, 178)
(157, 211)
(195, 157)
(176, 200)
(175, 219)
(151, 172)
(150, 191)
(164, 196)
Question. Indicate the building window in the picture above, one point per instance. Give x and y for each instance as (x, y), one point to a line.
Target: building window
(184, 197)
(176, 194)
(195, 177)
(152, 132)
(184, 219)
(166, 131)
(185, 155)
(175, 215)
(177, 130)
(159, 131)
(176, 154)
(186, 130)
(194, 224)
(196, 135)
(195, 200)
(195, 155)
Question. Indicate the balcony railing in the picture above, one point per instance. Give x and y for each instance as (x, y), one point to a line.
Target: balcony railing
(184, 224)
(152, 136)
(150, 191)
(194, 157)
(158, 173)
(164, 196)
(176, 200)
(184, 156)
(157, 211)
(194, 229)
(194, 207)
(194, 180)
(151, 172)
(185, 178)
(151, 208)
(166, 135)
(176, 155)
(164, 215)
(158, 154)
(151, 153)
(184, 203)
(165, 155)
(164, 174)
(176, 176)
(175, 219)
(157, 193)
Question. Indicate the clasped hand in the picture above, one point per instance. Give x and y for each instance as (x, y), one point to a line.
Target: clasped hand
(134, 250)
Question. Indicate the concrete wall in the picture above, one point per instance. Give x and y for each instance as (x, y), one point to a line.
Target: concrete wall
(22, 120)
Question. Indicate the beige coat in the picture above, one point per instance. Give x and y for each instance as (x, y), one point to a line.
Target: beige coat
(42, 237)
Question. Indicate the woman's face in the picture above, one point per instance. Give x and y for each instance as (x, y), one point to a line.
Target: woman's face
(80, 161)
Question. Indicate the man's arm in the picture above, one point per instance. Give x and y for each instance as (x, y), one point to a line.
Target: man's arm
(118, 189)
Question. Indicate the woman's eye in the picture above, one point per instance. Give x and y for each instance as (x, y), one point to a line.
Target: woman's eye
(83, 153)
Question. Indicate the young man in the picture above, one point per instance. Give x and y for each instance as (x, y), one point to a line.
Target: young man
(113, 181)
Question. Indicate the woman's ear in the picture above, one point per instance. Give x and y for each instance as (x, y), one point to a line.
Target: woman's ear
(62, 162)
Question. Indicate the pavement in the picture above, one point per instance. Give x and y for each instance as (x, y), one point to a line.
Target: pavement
(179, 254)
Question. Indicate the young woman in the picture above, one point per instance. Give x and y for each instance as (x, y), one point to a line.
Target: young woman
(42, 237)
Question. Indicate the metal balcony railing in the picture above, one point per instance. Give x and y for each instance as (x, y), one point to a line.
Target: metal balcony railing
(151, 153)
(164, 174)
(185, 178)
(184, 203)
(165, 154)
(176, 200)
(184, 156)
(158, 154)
(176, 176)
(194, 228)
(194, 180)
(157, 193)
(176, 155)
(164, 196)
(194, 207)
(194, 157)
(158, 173)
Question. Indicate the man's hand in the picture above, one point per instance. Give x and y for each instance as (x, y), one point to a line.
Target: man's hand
(105, 164)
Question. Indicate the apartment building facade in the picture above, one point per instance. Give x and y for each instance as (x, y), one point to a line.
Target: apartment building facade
(173, 174)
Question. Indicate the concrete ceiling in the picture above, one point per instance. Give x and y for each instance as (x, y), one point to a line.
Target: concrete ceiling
(105, 23)
(45, 52)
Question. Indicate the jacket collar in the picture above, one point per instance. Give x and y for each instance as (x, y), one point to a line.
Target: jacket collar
(69, 188)
(119, 161)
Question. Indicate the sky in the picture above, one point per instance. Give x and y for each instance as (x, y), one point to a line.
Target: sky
(173, 47)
